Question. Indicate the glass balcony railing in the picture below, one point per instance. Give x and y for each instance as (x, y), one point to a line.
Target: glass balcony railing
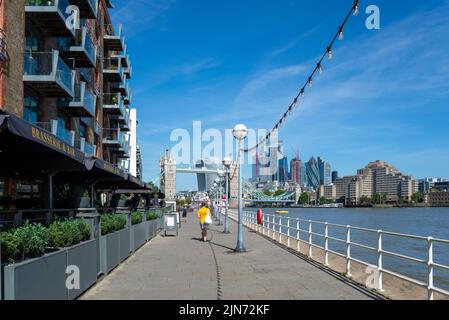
(113, 136)
(115, 101)
(65, 135)
(48, 67)
(89, 149)
(42, 9)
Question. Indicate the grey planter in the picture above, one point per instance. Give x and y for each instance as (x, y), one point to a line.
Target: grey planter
(82, 256)
(37, 279)
(125, 239)
(109, 251)
(138, 236)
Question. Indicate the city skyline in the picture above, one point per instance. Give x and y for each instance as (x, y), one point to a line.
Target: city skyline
(377, 98)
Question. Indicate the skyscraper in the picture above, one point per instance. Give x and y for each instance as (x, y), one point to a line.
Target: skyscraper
(283, 170)
(295, 171)
(324, 171)
(313, 174)
(334, 176)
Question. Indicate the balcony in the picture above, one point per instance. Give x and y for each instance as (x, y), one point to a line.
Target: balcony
(47, 73)
(92, 122)
(113, 104)
(87, 148)
(112, 70)
(127, 98)
(49, 17)
(114, 41)
(124, 56)
(82, 50)
(62, 133)
(82, 105)
(88, 8)
(124, 121)
(124, 150)
(112, 138)
(128, 71)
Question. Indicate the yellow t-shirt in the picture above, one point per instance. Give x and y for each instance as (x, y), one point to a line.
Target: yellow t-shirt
(202, 214)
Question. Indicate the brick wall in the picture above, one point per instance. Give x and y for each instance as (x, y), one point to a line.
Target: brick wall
(12, 79)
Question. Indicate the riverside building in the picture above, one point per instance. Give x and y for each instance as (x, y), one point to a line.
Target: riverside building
(64, 100)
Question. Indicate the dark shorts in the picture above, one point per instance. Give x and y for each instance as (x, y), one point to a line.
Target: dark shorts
(204, 226)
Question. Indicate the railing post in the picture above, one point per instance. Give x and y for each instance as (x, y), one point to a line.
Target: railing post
(430, 268)
(379, 260)
(280, 230)
(348, 250)
(297, 236)
(326, 244)
(263, 224)
(310, 239)
(288, 232)
(274, 228)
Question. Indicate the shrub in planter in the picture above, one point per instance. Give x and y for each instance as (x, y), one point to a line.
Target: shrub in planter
(151, 215)
(112, 222)
(136, 218)
(9, 246)
(67, 233)
(32, 240)
(164, 210)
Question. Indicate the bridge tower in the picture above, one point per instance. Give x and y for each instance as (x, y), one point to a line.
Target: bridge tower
(168, 177)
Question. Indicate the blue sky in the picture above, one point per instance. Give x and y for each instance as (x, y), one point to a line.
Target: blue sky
(385, 95)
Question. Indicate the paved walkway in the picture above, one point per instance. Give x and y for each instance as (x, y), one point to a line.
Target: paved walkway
(185, 268)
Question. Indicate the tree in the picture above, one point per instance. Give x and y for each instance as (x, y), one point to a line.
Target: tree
(304, 198)
(417, 197)
(365, 200)
(323, 200)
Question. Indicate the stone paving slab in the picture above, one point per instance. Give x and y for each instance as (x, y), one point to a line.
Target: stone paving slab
(184, 268)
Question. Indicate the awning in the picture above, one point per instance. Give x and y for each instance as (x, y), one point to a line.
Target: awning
(28, 149)
(130, 183)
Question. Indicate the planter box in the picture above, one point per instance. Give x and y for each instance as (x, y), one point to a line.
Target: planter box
(37, 279)
(138, 235)
(109, 251)
(84, 256)
(44, 278)
(152, 228)
(125, 239)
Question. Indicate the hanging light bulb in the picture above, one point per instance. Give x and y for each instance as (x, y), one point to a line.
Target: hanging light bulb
(310, 82)
(320, 68)
(340, 34)
(302, 94)
(330, 54)
(295, 103)
(356, 7)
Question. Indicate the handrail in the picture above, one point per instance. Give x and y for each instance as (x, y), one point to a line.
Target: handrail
(273, 226)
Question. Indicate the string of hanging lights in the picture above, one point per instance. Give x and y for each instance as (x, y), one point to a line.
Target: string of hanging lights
(309, 83)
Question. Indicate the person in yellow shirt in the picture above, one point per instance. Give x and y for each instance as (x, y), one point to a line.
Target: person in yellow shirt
(203, 213)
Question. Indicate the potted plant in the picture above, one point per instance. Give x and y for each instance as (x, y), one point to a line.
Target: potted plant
(114, 241)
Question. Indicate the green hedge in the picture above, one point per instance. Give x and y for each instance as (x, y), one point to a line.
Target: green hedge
(164, 210)
(152, 215)
(136, 218)
(31, 240)
(112, 222)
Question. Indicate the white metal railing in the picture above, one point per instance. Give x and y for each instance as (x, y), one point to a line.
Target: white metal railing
(273, 226)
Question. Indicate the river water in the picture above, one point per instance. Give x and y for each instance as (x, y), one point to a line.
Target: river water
(425, 222)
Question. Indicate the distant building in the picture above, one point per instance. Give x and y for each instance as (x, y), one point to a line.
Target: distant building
(206, 180)
(426, 184)
(438, 198)
(313, 174)
(441, 186)
(295, 171)
(283, 170)
(334, 176)
(329, 192)
(324, 171)
(303, 179)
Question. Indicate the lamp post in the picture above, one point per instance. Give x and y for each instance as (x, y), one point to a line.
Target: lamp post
(218, 182)
(240, 132)
(215, 197)
(227, 164)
